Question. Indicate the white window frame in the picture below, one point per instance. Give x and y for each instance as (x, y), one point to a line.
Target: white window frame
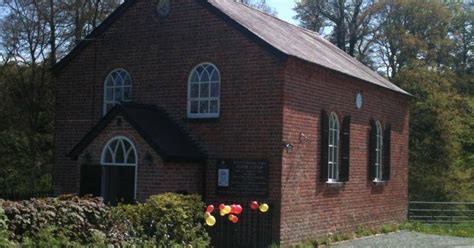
(199, 99)
(378, 152)
(120, 139)
(114, 99)
(107, 164)
(333, 149)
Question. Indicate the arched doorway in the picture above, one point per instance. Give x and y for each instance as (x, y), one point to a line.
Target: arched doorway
(119, 170)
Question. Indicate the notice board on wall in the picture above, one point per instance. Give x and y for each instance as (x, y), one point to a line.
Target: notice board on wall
(242, 178)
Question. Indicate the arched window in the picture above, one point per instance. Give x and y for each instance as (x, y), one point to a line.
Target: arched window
(117, 87)
(333, 148)
(204, 92)
(119, 151)
(378, 151)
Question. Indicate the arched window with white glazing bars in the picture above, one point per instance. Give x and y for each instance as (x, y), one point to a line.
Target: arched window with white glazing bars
(117, 88)
(204, 92)
(119, 151)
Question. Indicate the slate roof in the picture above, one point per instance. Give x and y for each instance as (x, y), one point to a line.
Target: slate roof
(156, 127)
(299, 42)
(280, 36)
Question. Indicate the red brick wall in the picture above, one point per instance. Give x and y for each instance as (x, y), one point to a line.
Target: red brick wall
(152, 178)
(309, 207)
(160, 54)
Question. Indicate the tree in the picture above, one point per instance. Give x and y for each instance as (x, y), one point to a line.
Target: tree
(33, 36)
(348, 22)
(411, 33)
(441, 136)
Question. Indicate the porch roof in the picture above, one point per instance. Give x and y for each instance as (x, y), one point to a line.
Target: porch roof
(155, 126)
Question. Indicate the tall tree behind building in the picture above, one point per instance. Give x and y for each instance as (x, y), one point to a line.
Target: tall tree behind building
(33, 36)
(347, 23)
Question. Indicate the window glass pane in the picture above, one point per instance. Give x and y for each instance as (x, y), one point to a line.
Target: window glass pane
(123, 74)
(194, 90)
(108, 156)
(199, 69)
(120, 155)
(215, 90)
(209, 68)
(194, 77)
(118, 94)
(127, 145)
(127, 94)
(114, 75)
(109, 94)
(131, 157)
(204, 90)
(205, 77)
(113, 145)
(127, 81)
(214, 106)
(194, 107)
(215, 76)
(204, 107)
(118, 81)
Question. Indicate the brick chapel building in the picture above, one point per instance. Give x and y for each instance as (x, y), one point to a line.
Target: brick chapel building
(216, 98)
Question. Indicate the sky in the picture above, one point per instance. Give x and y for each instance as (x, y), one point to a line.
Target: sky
(284, 9)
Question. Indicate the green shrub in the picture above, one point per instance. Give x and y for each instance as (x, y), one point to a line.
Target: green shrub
(49, 237)
(77, 219)
(167, 220)
(362, 231)
(4, 234)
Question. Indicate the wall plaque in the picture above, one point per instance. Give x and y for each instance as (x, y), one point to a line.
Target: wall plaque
(242, 178)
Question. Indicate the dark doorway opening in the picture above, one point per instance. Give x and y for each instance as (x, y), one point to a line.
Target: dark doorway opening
(118, 184)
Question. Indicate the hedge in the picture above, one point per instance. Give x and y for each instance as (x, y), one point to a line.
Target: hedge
(168, 220)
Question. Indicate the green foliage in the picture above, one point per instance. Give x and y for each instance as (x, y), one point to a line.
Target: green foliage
(459, 230)
(71, 217)
(50, 236)
(32, 37)
(170, 220)
(4, 233)
(362, 231)
(441, 136)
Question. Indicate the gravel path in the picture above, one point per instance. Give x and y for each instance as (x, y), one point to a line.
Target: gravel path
(408, 239)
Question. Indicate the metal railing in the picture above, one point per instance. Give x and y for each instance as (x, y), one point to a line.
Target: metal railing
(254, 230)
(441, 212)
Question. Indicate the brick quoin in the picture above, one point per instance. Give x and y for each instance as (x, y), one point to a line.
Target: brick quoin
(265, 101)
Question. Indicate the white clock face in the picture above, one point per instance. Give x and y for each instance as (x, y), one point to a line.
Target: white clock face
(163, 8)
(359, 100)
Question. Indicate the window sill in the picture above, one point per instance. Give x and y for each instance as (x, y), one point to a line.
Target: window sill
(201, 120)
(334, 184)
(378, 182)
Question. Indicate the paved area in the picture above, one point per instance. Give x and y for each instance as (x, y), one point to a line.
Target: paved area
(408, 239)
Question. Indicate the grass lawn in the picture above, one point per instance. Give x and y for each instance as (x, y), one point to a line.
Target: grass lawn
(460, 230)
